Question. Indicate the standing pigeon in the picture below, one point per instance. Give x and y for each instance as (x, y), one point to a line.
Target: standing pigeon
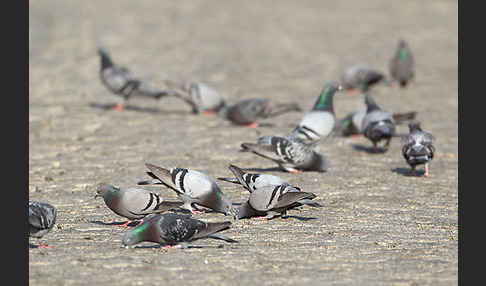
(318, 123)
(252, 181)
(121, 82)
(402, 65)
(192, 187)
(351, 124)
(418, 147)
(42, 217)
(133, 203)
(360, 77)
(377, 124)
(202, 98)
(249, 111)
(274, 200)
(292, 155)
(174, 230)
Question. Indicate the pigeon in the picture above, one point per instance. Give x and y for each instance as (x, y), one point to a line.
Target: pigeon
(377, 124)
(319, 122)
(360, 77)
(133, 203)
(417, 147)
(42, 217)
(351, 124)
(252, 181)
(192, 187)
(175, 230)
(249, 111)
(293, 155)
(202, 98)
(402, 65)
(271, 201)
(121, 82)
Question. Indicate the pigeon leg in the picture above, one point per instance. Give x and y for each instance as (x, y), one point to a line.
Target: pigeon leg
(353, 91)
(295, 171)
(359, 135)
(42, 245)
(125, 224)
(260, 218)
(117, 107)
(171, 246)
(375, 147)
(140, 222)
(413, 171)
(387, 143)
(426, 170)
(252, 125)
(210, 112)
(195, 210)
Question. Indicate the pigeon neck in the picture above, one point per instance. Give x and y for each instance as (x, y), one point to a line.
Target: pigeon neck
(105, 61)
(403, 54)
(370, 104)
(325, 102)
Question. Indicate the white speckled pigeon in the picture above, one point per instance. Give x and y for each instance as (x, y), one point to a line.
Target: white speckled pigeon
(317, 124)
(360, 77)
(274, 200)
(402, 65)
(293, 156)
(249, 111)
(202, 98)
(417, 147)
(193, 187)
(252, 181)
(42, 217)
(377, 124)
(121, 82)
(133, 203)
(175, 230)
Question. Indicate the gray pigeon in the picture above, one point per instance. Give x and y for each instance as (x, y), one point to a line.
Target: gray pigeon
(319, 122)
(193, 187)
(360, 77)
(351, 124)
(202, 98)
(133, 203)
(377, 124)
(417, 147)
(42, 217)
(174, 230)
(252, 181)
(249, 111)
(121, 82)
(402, 65)
(292, 155)
(274, 200)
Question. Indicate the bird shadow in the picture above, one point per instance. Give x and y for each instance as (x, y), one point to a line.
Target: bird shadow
(117, 223)
(407, 172)
(33, 245)
(298, 217)
(158, 246)
(369, 149)
(152, 110)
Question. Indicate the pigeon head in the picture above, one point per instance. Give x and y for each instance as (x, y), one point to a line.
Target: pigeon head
(136, 235)
(414, 125)
(325, 100)
(106, 61)
(105, 190)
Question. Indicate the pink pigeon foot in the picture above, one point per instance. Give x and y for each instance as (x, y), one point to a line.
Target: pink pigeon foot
(171, 246)
(125, 224)
(196, 212)
(210, 112)
(260, 218)
(295, 171)
(42, 245)
(117, 107)
(252, 125)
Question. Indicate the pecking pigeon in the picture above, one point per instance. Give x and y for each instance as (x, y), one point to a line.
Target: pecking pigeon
(252, 181)
(292, 155)
(192, 187)
(319, 122)
(418, 147)
(402, 65)
(360, 77)
(133, 203)
(42, 217)
(174, 230)
(274, 200)
(201, 97)
(249, 111)
(377, 124)
(121, 82)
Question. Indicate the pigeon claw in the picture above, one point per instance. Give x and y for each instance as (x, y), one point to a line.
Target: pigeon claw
(252, 125)
(42, 245)
(117, 107)
(209, 112)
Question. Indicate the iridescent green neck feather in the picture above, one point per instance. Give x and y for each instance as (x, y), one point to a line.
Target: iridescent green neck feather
(324, 102)
(403, 55)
